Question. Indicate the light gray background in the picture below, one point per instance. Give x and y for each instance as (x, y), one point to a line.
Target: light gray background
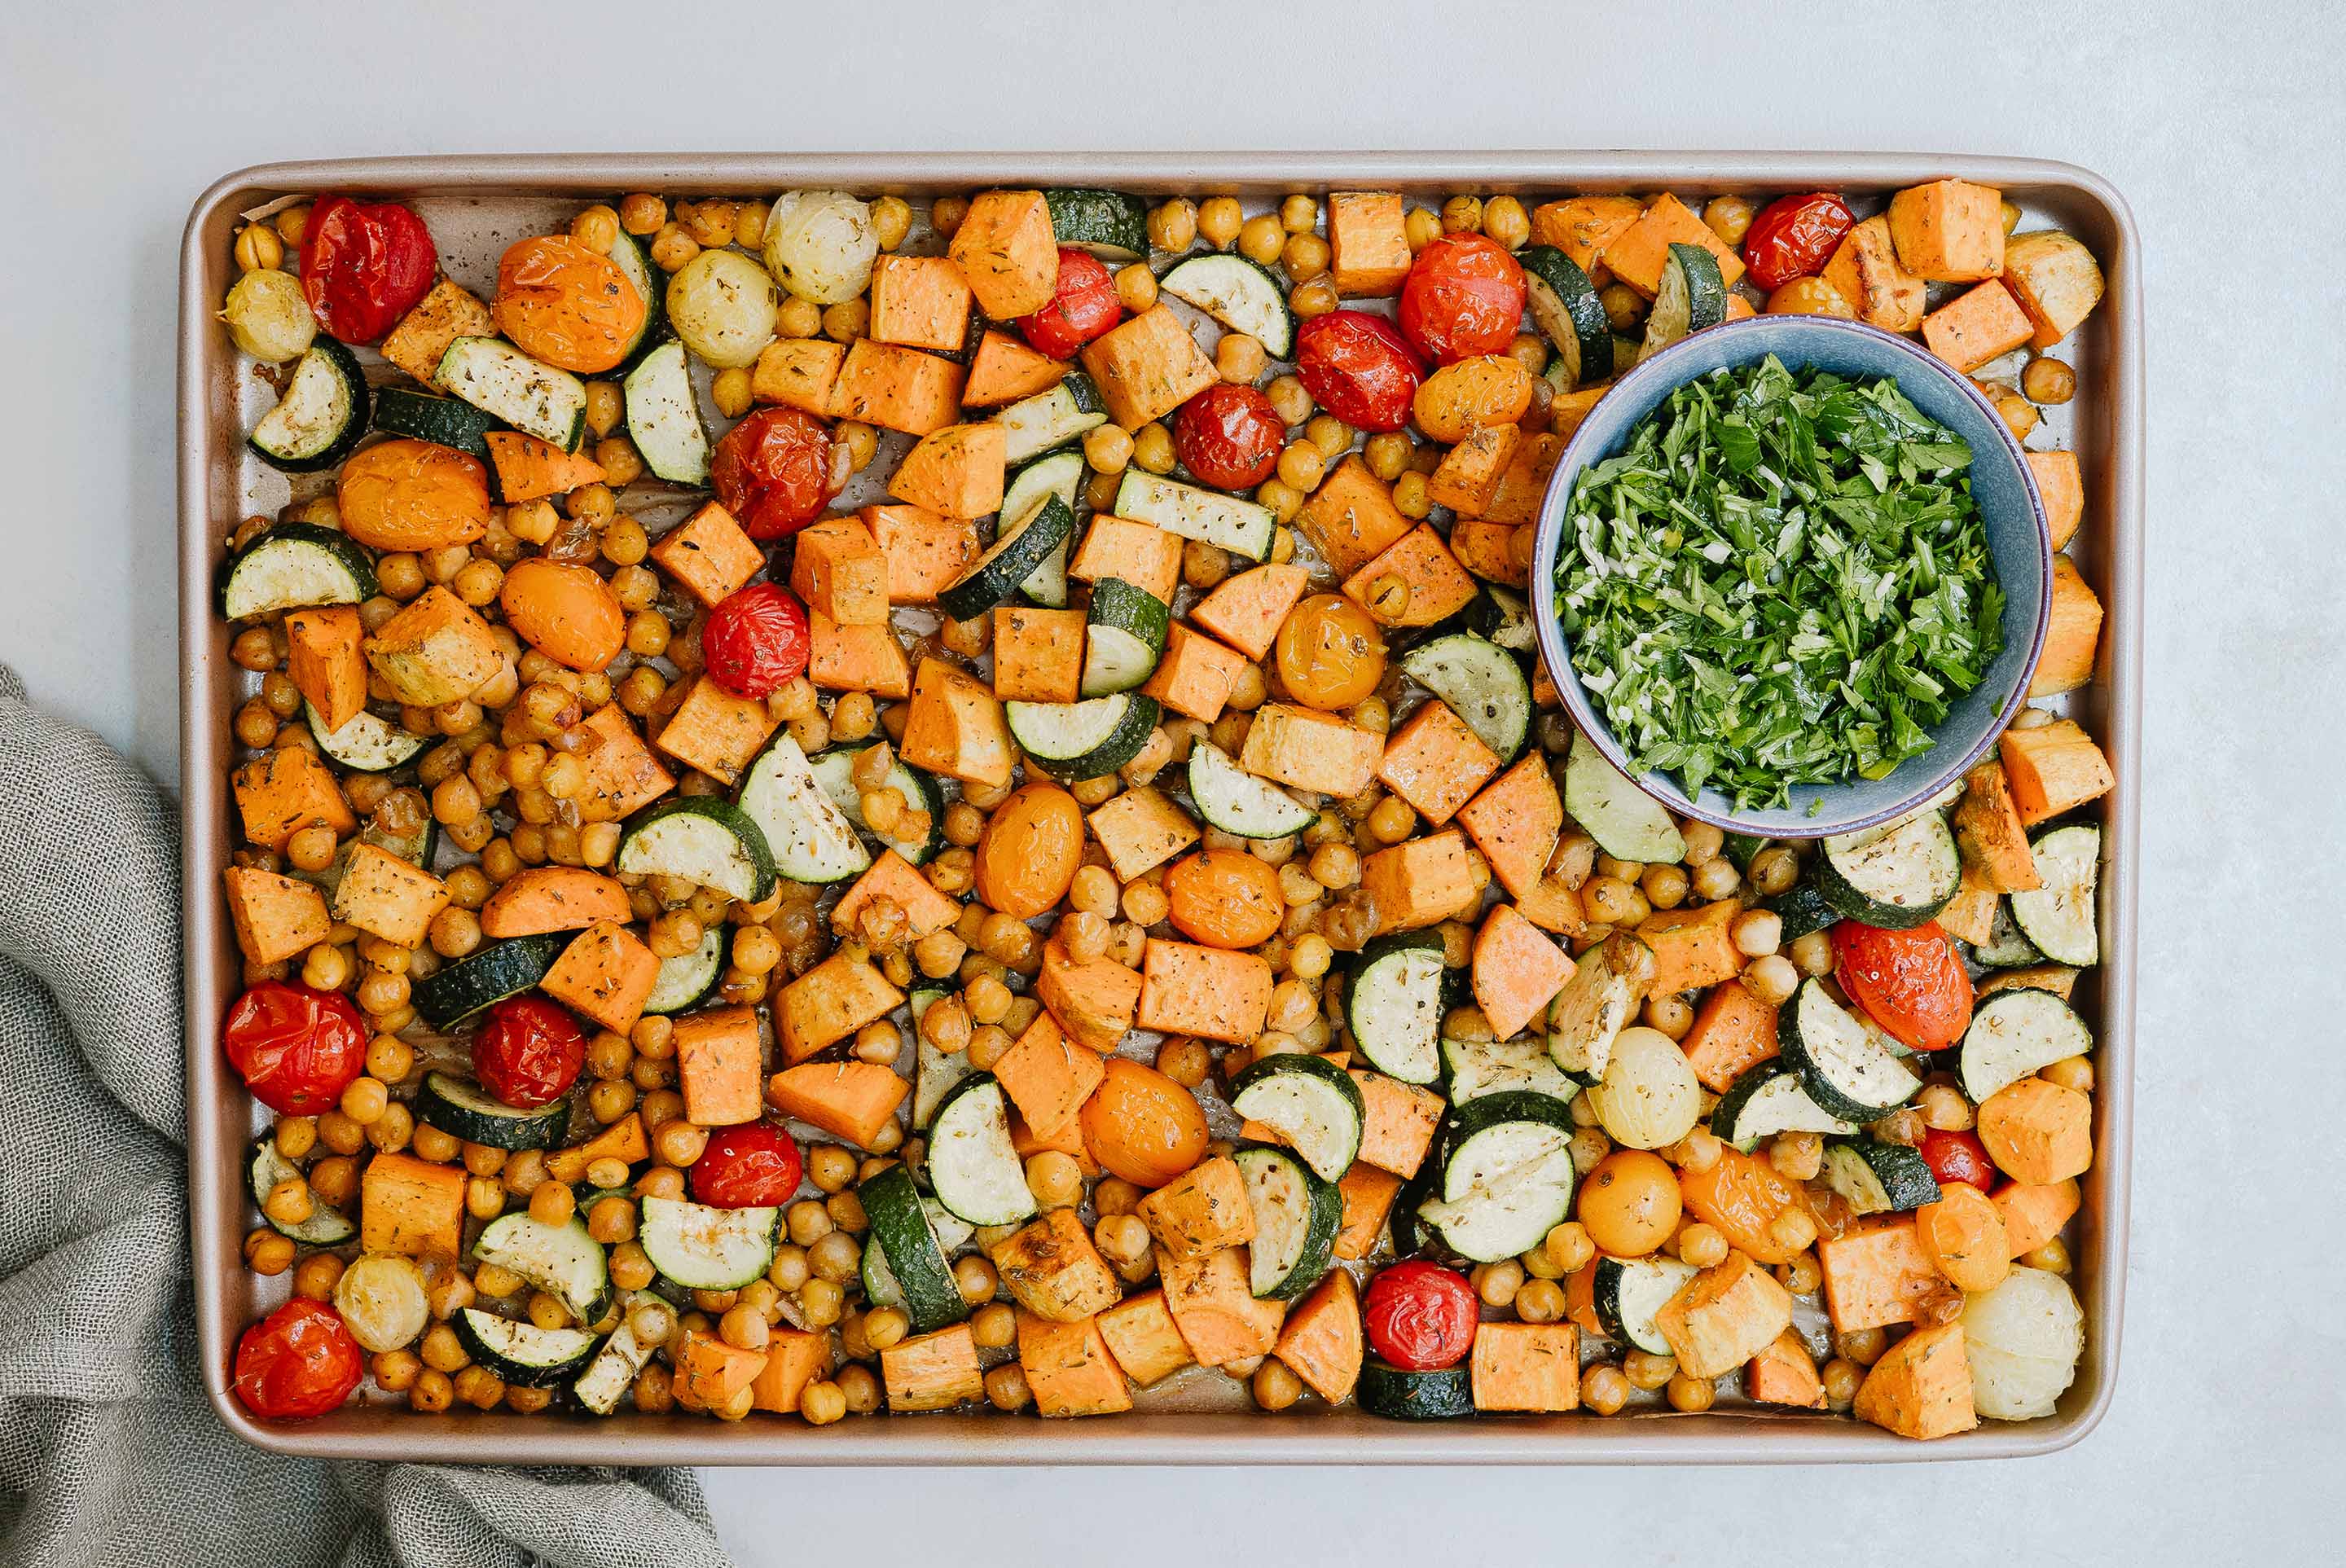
(2225, 124)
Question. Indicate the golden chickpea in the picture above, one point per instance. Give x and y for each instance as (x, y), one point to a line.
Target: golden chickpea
(268, 1253)
(1186, 1062)
(671, 248)
(1604, 1389)
(597, 228)
(1005, 1388)
(1505, 221)
(1625, 308)
(259, 248)
(1152, 448)
(1410, 495)
(1107, 449)
(1173, 225)
(1305, 256)
(1462, 215)
(1315, 296)
(732, 393)
(2048, 381)
(1690, 1393)
(1239, 359)
(642, 214)
(1729, 218)
(1421, 226)
(847, 320)
(945, 214)
(293, 225)
(1220, 221)
(891, 219)
(1289, 399)
(1136, 288)
(1275, 1385)
(797, 318)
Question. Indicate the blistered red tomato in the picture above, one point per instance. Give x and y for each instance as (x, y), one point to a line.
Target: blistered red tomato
(1909, 981)
(1420, 1317)
(752, 1165)
(1463, 297)
(363, 266)
(755, 640)
(1358, 367)
(297, 1363)
(1794, 237)
(296, 1049)
(774, 472)
(1083, 307)
(1957, 1157)
(529, 1051)
(1228, 436)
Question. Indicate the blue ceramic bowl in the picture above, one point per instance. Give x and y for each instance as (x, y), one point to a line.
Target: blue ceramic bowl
(2001, 485)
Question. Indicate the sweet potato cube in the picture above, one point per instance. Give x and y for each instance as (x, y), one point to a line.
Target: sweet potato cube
(1434, 762)
(1979, 325)
(921, 302)
(1049, 1076)
(276, 918)
(1321, 1340)
(2056, 280)
(1581, 227)
(1692, 946)
(1070, 1367)
(1523, 485)
(1782, 1374)
(1140, 830)
(436, 651)
(1439, 587)
(624, 1139)
(1922, 1387)
(286, 789)
(1368, 1194)
(894, 878)
(1050, 1268)
(1352, 519)
(1006, 248)
(412, 1206)
(1026, 1143)
(849, 1100)
(1516, 823)
(1148, 367)
(1368, 243)
(1194, 676)
(1247, 610)
(1874, 1273)
(1733, 1030)
(323, 661)
(447, 313)
(712, 1374)
(2073, 634)
(709, 555)
(605, 974)
(622, 774)
(529, 468)
(1145, 556)
(1866, 270)
(1397, 1122)
(1140, 1334)
(829, 1002)
(1004, 369)
(1991, 835)
(716, 731)
(932, 1371)
(1095, 1001)
(2038, 1133)
(1494, 552)
(956, 726)
(838, 571)
(1207, 992)
(897, 388)
(794, 1357)
(799, 372)
(857, 658)
(2057, 978)
(388, 897)
(1306, 749)
(1725, 1316)
(718, 1066)
(924, 552)
(2034, 1212)
(1203, 1208)
(538, 899)
(1470, 472)
(1038, 654)
(1970, 915)
(1516, 970)
(1421, 882)
(2053, 767)
(1638, 254)
(1214, 1310)
(1528, 1367)
(2063, 490)
(1949, 232)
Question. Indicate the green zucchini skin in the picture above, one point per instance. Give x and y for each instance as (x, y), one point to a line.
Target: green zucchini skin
(931, 1299)
(1398, 1394)
(444, 420)
(345, 365)
(508, 968)
(475, 1328)
(1802, 908)
(1110, 224)
(454, 1106)
(1572, 315)
(347, 554)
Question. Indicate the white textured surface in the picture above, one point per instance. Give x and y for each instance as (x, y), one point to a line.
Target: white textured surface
(2222, 122)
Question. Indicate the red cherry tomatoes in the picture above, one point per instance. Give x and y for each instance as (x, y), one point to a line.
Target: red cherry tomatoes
(774, 472)
(1957, 1157)
(1463, 297)
(529, 1051)
(1083, 307)
(752, 1165)
(1794, 237)
(1228, 436)
(296, 1049)
(755, 640)
(297, 1363)
(1909, 981)
(1358, 367)
(1420, 1317)
(362, 267)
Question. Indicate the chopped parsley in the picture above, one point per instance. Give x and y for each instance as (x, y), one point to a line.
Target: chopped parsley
(1782, 580)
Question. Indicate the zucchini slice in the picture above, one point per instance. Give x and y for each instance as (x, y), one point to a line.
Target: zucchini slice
(466, 1111)
(635, 263)
(1059, 474)
(664, 417)
(914, 1260)
(1309, 1102)
(1627, 823)
(1596, 1005)
(1110, 224)
(1692, 296)
(326, 1226)
(709, 842)
(1393, 1005)
(1848, 1069)
(1879, 1178)
(1630, 1290)
(1565, 309)
(1013, 557)
(1296, 1217)
(612, 1373)
(1482, 683)
(703, 1247)
(1082, 739)
(2015, 1033)
(321, 415)
(1800, 907)
(367, 744)
(934, 1073)
(1473, 1068)
(1239, 295)
(443, 421)
(535, 398)
(811, 838)
(1124, 636)
(1398, 1394)
(1766, 1100)
(834, 770)
(1895, 877)
(1240, 526)
(2060, 917)
(523, 1354)
(683, 981)
(1051, 419)
(448, 996)
(1233, 799)
(1507, 1176)
(293, 567)
(562, 1260)
(2007, 946)
(1502, 617)
(973, 1166)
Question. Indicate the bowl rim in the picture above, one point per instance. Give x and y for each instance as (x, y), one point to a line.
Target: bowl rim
(1579, 451)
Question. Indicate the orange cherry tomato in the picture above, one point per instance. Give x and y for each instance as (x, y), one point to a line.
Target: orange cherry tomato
(1630, 1203)
(405, 494)
(565, 304)
(1031, 851)
(1142, 1125)
(565, 611)
(1225, 898)
(1330, 654)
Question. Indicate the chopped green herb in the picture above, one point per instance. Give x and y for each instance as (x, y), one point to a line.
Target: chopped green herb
(1782, 580)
